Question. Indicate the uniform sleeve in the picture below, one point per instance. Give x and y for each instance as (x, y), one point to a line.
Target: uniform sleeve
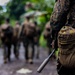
(59, 15)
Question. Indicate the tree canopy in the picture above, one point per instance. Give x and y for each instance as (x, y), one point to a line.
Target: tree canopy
(16, 7)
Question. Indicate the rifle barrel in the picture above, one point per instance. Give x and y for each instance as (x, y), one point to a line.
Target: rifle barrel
(45, 62)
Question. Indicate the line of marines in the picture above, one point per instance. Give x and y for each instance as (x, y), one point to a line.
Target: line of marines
(28, 33)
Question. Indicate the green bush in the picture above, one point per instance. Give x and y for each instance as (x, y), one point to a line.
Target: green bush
(42, 41)
(12, 22)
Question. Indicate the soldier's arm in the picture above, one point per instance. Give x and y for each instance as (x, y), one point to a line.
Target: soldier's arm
(59, 15)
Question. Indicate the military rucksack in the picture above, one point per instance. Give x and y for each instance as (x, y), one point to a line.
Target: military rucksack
(66, 44)
(6, 33)
(16, 31)
(30, 30)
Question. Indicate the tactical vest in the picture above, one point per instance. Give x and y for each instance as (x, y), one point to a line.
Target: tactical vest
(66, 44)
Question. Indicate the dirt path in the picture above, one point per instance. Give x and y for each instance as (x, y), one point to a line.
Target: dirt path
(18, 66)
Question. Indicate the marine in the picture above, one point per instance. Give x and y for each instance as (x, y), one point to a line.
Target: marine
(28, 33)
(36, 40)
(6, 37)
(16, 39)
(64, 15)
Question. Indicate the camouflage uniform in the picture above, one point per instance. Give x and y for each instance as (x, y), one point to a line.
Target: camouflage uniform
(36, 40)
(16, 39)
(28, 38)
(63, 14)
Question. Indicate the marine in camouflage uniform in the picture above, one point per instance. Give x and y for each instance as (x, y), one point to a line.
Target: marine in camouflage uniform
(28, 33)
(16, 39)
(63, 14)
(47, 36)
(6, 37)
(36, 40)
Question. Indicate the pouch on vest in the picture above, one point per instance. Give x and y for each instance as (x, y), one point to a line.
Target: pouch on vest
(66, 44)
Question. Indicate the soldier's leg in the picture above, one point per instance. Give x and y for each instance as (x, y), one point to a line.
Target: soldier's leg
(36, 42)
(32, 54)
(5, 53)
(16, 51)
(26, 43)
(26, 52)
(9, 52)
(37, 54)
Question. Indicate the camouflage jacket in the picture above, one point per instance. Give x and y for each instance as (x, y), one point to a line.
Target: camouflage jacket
(63, 14)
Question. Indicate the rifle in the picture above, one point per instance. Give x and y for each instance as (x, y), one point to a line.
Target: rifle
(45, 62)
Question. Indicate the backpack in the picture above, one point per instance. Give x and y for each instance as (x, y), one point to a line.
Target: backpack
(16, 31)
(66, 44)
(30, 30)
(7, 34)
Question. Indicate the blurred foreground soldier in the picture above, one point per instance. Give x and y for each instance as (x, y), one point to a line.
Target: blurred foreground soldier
(64, 15)
(16, 39)
(6, 36)
(28, 32)
(47, 36)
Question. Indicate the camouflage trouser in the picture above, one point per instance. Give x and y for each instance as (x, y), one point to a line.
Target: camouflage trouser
(16, 49)
(6, 51)
(16, 44)
(64, 70)
(37, 51)
(26, 43)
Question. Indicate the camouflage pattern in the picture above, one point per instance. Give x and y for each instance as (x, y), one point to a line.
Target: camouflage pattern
(60, 14)
(63, 14)
(66, 43)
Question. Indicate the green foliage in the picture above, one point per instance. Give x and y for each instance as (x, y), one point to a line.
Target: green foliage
(1, 8)
(42, 41)
(15, 8)
(1, 19)
(12, 22)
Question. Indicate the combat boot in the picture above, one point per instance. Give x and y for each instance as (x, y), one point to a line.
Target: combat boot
(5, 61)
(30, 61)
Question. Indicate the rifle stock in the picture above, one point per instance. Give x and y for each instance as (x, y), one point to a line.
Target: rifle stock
(45, 62)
